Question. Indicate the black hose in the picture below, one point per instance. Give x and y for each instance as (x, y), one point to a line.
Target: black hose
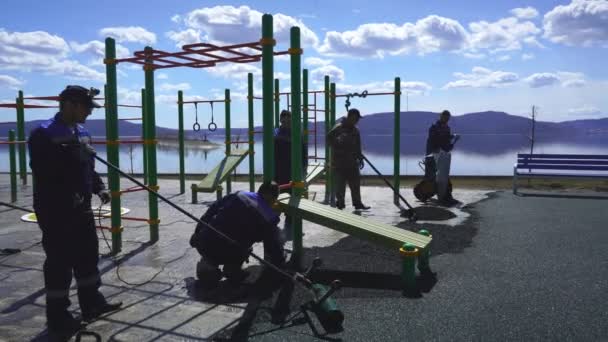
(16, 207)
(412, 214)
(297, 277)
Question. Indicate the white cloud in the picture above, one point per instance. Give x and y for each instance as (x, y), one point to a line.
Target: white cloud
(542, 79)
(42, 52)
(580, 23)
(525, 12)
(567, 79)
(503, 58)
(430, 34)
(527, 56)
(229, 24)
(283, 76)
(236, 71)
(176, 18)
(316, 61)
(415, 87)
(503, 35)
(98, 49)
(174, 87)
(474, 55)
(10, 82)
(586, 110)
(162, 76)
(181, 38)
(335, 74)
(132, 34)
(482, 78)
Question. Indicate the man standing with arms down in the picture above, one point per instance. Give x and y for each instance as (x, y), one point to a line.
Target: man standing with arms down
(347, 158)
(63, 169)
(439, 144)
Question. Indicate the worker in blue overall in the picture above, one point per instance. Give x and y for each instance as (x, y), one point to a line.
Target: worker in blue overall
(63, 169)
(242, 219)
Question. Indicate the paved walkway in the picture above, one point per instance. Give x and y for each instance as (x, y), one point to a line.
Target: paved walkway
(509, 268)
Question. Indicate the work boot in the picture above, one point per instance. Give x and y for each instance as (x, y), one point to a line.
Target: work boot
(62, 327)
(361, 206)
(340, 205)
(235, 274)
(209, 275)
(92, 313)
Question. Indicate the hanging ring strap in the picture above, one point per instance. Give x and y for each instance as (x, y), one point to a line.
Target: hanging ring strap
(212, 126)
(196, 127)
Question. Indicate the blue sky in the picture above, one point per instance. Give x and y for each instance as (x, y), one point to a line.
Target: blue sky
(465, 56)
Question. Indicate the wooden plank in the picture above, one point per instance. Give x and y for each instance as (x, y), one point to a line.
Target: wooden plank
(221, 172)
(313, 171)
(351, 224)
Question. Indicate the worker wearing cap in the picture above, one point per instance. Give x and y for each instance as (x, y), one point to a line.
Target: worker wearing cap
(347, 158)
(64, 175)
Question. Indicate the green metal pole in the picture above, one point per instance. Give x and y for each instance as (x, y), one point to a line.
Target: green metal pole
(408, 268)
(151, 139)
(143, 133)
(424, 258)
(21, 137)
(251, 134)
(397, 137)
(332, 123)
(112, 149)
(13, 165)
(228, 135)
(267, 100)
(277, 103)
(180, 114)
(296, 141)
(327, 129)
(305, 111)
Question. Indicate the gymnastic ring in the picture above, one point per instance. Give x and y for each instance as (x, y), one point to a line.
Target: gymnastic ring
(212, 127)
(196, 127)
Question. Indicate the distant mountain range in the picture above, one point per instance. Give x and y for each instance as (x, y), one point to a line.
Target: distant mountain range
(412, 123)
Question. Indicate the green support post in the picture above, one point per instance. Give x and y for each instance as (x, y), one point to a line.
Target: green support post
(327, 129)
(228, 135)
(13, 165)
(305, 112)
(180, 114)
(251, 135)
(408, 270)
(267, 100)
(296, 142)
(150, 139)
(332, 123)
(277, 103)
(397, 137)
(21, 137)
(143, 134)
(424, 258)
(111, 108)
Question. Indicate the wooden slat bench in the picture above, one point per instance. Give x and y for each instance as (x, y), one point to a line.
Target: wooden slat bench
(358, 226)
(562, 165)
(213, 180)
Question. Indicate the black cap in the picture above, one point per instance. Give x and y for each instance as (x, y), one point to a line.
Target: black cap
(354, 112)
(75, 93)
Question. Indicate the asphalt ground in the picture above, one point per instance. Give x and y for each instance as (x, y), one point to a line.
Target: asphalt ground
(508, 268)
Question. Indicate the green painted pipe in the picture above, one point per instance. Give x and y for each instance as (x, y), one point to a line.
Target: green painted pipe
(267, 100)
(13, 165)
(251, 134)
(332, 123)
(143, 134)
(112, 149)
(408, 267)
(151, 138)
(180, 118)
(425, 255)
(327, 129)
(21, 137)
(305, 110)
(397, 138)
(296, 141)
(228, 135)
(277, 102)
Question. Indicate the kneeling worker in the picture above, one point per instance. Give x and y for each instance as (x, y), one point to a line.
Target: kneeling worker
(246, 218)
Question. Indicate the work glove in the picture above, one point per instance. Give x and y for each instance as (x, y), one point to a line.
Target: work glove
(104, 196)
(361, 163)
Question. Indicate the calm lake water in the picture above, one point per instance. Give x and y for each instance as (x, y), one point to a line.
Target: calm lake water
(474, 154)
